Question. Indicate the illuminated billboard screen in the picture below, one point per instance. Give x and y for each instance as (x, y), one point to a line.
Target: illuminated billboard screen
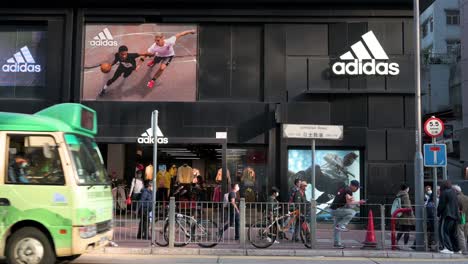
(140, 62)
(23, 52)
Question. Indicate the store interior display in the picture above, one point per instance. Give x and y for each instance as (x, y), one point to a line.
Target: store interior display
(179, 166)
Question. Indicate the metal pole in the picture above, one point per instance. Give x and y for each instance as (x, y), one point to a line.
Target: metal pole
(172, 206)
(312, 181)
(154, 124)
(242, 222)
(313, 211)
(418, 159)
(313, 224)
(382, 226)
(425, 229)
(434, 194)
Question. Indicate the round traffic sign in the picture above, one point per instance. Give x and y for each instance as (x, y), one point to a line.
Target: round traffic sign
(434, 127)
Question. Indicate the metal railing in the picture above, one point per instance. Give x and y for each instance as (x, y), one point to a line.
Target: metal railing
(264, 225)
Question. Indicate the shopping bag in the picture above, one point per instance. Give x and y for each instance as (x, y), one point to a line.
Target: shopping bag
(463, 219)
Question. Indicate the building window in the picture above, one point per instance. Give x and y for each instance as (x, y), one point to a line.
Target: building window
(453, 46)
(453, 17)
(424, 29)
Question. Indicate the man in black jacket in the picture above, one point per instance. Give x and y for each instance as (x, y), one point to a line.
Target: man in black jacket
(448, 212)
(144, 210)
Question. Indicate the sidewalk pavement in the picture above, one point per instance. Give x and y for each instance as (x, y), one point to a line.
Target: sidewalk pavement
(144, 248)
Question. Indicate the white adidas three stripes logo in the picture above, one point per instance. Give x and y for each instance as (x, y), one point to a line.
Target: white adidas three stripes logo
(147, 137)
(363, 61)
(103, 38)
(22, 61)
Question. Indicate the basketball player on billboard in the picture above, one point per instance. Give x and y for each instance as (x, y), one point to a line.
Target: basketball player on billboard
(127, 64)
(163, 52)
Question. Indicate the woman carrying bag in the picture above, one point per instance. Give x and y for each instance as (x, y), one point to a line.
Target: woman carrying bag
(136, 187)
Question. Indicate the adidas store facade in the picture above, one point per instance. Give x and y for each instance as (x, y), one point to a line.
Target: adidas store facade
(315, 62)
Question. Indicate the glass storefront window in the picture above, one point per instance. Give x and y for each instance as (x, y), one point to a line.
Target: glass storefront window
(334, 169)
(247, 166)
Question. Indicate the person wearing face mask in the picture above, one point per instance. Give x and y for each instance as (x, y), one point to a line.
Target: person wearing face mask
(427, 194)
(17, 169)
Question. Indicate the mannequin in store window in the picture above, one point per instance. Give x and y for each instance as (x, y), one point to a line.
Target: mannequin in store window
(163, 183)
(248, 181)
(217, 192)
(149, 172)
(248, 177)
(184, 174)
(219, 176)
(173, 173)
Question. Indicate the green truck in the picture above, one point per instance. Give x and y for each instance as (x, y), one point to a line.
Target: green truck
(55, 195)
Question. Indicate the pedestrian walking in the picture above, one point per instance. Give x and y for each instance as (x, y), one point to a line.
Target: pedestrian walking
(233, 212)
(144, 210)
(405, 221)
(462, 225)
(342, 210)
(449, 215)
(300, 202)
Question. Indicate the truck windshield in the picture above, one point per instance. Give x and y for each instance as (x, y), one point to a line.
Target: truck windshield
(87, 159)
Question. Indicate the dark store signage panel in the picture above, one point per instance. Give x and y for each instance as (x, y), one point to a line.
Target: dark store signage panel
(130, 78)
(23, 52)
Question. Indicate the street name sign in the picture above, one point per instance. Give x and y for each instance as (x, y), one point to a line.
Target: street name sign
(313, 131)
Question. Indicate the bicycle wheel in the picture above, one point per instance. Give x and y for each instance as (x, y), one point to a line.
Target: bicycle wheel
(181, 233)
(160, 238)
(305, 235)
(262, 234)
(206, 234)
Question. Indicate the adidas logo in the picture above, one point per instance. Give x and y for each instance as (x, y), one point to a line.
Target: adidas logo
(364, 60)
(22, 61)
(104, 38)
(147, 137)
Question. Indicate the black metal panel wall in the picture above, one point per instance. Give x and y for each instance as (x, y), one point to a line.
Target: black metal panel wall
(250, 65)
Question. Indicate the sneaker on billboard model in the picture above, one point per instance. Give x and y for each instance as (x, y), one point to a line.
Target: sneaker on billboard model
(150, 84)
(341, 228)
(102, 93)
(151, 63)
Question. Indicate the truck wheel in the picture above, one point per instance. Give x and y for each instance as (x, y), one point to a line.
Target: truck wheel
(29, 245)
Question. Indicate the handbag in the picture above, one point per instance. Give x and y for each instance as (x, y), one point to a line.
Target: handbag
(463, 219)
(129, 199)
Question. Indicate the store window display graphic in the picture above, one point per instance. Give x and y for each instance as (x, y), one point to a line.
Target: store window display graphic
(334, 169)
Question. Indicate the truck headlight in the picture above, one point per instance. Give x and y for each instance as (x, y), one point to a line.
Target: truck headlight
(87, 231)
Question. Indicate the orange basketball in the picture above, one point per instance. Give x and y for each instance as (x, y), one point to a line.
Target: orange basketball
(106, 67)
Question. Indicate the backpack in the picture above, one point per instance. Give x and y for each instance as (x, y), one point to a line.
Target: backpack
(396, 205)
(226, 200)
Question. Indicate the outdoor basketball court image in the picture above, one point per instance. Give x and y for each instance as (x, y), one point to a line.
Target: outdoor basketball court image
(177, 82)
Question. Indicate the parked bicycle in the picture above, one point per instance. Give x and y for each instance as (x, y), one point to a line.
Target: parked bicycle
(188, 229)
(264, 233)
